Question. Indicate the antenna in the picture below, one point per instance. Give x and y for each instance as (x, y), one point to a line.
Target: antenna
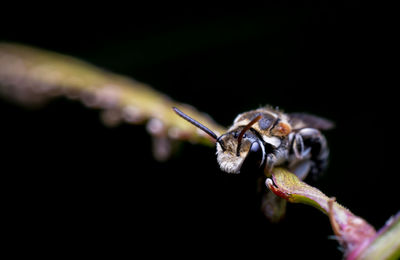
(195, 123)
(247, 127)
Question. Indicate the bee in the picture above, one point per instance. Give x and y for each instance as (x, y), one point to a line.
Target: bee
(267, 137)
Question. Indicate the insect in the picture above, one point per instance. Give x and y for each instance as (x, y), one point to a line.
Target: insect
(266, 137)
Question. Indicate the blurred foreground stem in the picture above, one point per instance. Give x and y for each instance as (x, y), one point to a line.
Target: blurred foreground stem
(32, 76)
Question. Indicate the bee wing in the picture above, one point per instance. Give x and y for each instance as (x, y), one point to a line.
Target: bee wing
(301, 120)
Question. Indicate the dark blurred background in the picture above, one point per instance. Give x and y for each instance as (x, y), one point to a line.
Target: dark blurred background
(72, 183)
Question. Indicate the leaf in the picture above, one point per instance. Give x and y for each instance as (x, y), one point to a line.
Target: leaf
(386, 244)
(352, 232)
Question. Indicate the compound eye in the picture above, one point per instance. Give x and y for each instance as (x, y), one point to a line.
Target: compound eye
(255, 158)
(255, 147)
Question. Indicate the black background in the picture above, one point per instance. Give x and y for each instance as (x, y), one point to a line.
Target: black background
(73, 184)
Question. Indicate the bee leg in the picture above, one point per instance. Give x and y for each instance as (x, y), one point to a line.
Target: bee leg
(316, 143)
(278, 157)
(269, 164)
(273, 207)
(302, 169)
(298, 146)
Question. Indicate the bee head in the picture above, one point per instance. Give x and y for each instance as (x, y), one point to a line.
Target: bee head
(239, 146)
(234, 147)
